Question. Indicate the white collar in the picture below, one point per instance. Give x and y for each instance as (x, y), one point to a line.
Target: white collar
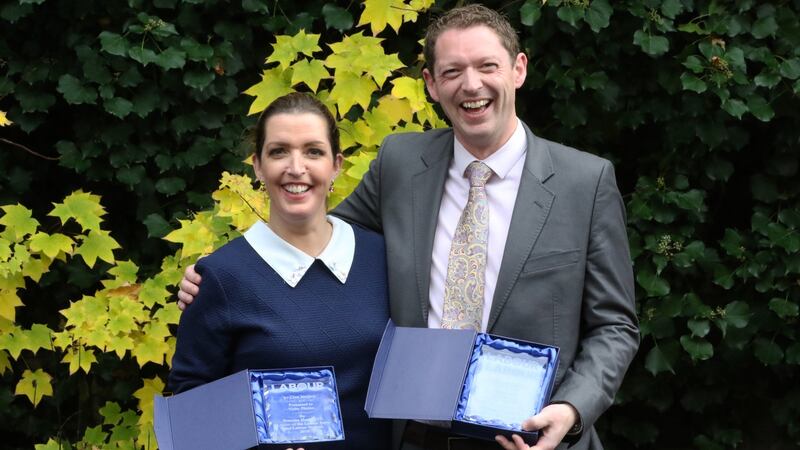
(291, 263)
(502, 161)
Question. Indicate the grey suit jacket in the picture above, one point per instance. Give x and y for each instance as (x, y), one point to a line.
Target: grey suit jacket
(565, 278)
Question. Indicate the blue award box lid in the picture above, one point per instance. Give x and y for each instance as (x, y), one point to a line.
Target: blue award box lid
(419, 374)
(222, 413)
(212, 416)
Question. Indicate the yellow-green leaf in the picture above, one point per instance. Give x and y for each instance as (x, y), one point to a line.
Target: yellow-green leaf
(51, 244)
(120, 344)
(34, 268)
(351, 89)
(283, 52)
(53, 445)
(34, 385)
(274, 83)
(306, 44)
(379, 13)
(79, 358)
(169, 314)
(9, 301)
(39, 336)
(396, 109)
(411, 89)
(5, 250)
(150, 349)
(124, 274)
(4, 120)
(195, 237)
(145, 394)
(5, 364)
(98, 244)
(309, 72)
(18, 221)
(82, 206)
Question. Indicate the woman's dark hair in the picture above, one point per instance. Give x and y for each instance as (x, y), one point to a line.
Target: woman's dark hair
(296, 103)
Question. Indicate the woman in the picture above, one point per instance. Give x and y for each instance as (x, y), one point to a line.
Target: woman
(304, 290)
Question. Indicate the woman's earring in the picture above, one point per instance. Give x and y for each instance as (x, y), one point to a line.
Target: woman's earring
(262, 187)
(330, 189)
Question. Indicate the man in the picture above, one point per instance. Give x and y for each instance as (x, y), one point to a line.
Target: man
(554, 266)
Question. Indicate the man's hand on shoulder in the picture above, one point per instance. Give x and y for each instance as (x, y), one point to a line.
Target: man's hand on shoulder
(553, 423)
(190, 287)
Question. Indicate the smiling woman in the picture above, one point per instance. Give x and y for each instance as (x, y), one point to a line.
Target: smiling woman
(304, 290)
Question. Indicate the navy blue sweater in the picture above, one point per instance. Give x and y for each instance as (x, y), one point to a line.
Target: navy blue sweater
(247, 317)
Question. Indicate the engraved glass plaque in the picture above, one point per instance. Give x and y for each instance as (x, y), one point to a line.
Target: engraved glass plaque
(297, 406)
(506, 383)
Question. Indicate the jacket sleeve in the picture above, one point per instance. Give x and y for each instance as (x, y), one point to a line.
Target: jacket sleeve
(609, 327)
(202, 351)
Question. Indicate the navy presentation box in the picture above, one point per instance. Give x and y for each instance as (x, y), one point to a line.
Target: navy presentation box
(420, 374)
(218, 415)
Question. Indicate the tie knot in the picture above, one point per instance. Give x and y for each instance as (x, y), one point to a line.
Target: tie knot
(478, 173)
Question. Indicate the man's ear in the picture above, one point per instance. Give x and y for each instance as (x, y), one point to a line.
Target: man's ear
(520, 70)
(430, 83)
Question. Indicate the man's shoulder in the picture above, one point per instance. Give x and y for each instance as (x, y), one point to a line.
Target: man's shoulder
(418, 141)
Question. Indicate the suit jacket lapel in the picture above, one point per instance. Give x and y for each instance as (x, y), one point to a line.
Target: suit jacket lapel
(427, 195)
(530, 213)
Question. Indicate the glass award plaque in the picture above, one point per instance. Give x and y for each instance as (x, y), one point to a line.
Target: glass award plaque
(506, 383)
(296, 406)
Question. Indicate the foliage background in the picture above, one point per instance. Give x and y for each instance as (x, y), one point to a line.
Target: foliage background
(141, 104)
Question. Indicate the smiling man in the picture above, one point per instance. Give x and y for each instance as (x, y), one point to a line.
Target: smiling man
(491, 227)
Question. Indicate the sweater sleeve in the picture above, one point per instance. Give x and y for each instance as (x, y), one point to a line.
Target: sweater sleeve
(202, 351)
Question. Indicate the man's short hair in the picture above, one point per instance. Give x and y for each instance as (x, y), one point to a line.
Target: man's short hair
(470, 16)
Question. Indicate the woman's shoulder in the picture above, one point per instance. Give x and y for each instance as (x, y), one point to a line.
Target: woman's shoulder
(365, 234)
(228, 256)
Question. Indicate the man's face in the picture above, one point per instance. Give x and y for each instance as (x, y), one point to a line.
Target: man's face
(475, 81)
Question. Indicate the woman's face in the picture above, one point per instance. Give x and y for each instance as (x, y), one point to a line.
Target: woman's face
(297, 167)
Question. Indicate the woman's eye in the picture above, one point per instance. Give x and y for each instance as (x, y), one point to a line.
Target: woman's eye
(276, 151)
(316, 152)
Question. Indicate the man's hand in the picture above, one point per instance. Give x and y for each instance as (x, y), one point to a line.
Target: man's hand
(553, 423)
(190, 286)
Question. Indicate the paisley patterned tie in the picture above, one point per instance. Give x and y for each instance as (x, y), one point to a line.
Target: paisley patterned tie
(466, 266)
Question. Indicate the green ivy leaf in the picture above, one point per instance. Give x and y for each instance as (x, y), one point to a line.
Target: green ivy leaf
(763, 27)
(692, 83)
(131, 175)
(767, 78)
(530, 12)
(671, 8)
(694, 64)
(157, 227)
(768, 352)
(12, 12)
(114, 44)
(170, 185)
(196, 51)
(118, 106)
(146, 100)
(171, 58)
(737, 314)
(654, 285)
(74, 92)
(658, 360)
(598, 15)
(143, 56)
(760, 108)
(719, 169)
(570, 14)
(783, 308)
(698, 349)
(699, 328)
(735, 107)
(198, 80)
(652, 45)
(790, 68)
(790, 217)
(256, 6)
(337, 17)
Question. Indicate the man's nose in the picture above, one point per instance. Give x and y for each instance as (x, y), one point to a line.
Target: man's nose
(471, 81)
